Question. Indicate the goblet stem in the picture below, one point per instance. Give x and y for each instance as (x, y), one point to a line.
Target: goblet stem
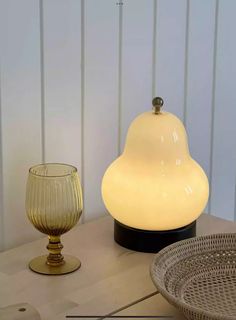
(55, 258)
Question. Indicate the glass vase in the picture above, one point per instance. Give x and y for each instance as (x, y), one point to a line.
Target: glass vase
(54, 205)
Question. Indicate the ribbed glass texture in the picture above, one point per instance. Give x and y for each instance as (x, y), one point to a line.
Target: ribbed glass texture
(53, 198)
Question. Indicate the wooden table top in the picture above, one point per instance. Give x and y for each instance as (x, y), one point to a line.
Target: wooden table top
(112, 280)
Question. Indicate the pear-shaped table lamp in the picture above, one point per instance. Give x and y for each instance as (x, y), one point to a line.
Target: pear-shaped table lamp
(155, 191)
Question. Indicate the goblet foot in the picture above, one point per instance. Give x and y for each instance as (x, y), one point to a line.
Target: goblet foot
(40, 265)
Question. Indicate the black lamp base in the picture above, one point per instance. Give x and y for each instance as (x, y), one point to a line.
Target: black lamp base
(150, 241)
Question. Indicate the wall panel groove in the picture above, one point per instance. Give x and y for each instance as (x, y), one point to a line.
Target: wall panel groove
(235, 201)
(120, 76)
(186, 62)
(154, 45)
(82, 100)
(42, 77)
(213, 101)
(1, 175)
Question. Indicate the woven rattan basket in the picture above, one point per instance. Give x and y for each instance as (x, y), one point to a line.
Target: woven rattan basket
(198, 276)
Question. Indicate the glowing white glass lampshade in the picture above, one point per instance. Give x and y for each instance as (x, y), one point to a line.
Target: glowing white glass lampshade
(155, 184)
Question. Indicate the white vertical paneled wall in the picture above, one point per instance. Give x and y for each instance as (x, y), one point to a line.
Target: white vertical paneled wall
(101, 56)
(20, 112)
(170, 53)
(199, 80)
(136, 68)
(61, 21)
(75, 73)
(222, 202)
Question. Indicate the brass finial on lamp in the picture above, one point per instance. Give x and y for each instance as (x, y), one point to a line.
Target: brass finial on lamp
(155, 191)
(157, 104)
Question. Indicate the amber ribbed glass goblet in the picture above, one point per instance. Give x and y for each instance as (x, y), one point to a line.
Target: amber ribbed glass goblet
(54, 205)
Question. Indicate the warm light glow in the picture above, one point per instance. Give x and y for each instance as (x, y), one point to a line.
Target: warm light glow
(155, 184)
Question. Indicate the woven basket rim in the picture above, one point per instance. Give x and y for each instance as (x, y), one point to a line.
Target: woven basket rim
(172, 299)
